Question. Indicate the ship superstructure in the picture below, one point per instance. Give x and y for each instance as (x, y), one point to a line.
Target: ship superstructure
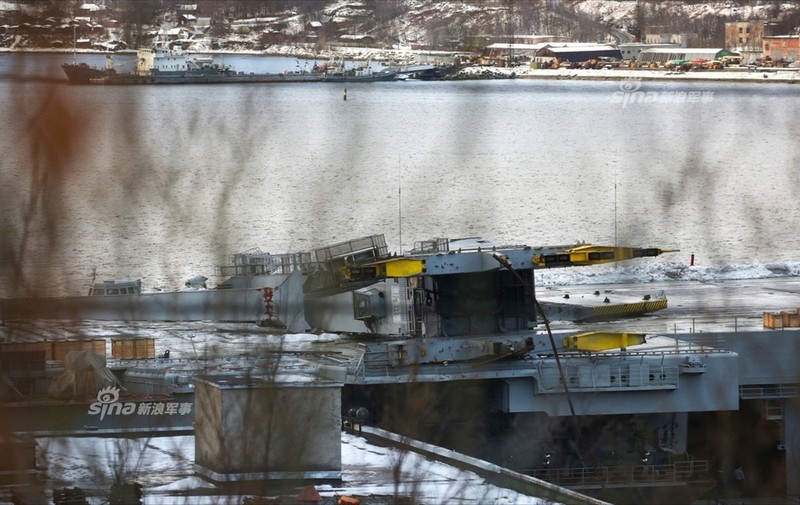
(165, 62)
(441, 288)
(464, 287)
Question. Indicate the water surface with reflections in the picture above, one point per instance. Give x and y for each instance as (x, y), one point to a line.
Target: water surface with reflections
(164, 182)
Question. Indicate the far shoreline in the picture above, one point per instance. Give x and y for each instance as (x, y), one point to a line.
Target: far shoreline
(731, 74)
(711, 76)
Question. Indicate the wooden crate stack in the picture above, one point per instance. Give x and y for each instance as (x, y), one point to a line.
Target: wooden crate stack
(133, 348)
(784, 319)
(57, 350)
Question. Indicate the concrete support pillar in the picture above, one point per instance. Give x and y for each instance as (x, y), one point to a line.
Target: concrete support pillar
(259, 428)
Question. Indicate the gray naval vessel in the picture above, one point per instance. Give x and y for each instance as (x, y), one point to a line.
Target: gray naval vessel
(315, 289)
(166, 63)
(450, 344)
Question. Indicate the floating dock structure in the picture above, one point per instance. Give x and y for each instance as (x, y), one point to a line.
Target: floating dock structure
(450, 345)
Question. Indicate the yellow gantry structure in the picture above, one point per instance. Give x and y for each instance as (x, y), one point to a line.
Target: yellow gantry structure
(392, 268)
(400, 267)
(589, 254)
(456, 262)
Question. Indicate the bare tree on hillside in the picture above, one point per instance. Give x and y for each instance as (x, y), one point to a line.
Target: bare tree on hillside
(530, 17)
(134, 17)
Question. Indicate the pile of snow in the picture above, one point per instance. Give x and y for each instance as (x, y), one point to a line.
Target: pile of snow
(786, 75)
(649, 272)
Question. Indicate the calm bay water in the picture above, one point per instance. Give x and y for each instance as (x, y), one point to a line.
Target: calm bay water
(164, 182)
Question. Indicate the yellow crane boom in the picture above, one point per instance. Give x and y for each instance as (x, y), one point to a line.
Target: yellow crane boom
(595, 254)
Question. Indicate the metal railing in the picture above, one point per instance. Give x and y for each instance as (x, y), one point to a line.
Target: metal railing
(608, 378)
(374, 245)
(680, 471)
(256, 262)
(759, 391)
(367, 370)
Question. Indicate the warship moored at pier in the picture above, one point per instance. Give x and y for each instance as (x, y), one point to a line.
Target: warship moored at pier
(169, 64)
(449, 344)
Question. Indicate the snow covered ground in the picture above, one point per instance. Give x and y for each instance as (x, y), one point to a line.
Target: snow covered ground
(787, 75)
(164, 467)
